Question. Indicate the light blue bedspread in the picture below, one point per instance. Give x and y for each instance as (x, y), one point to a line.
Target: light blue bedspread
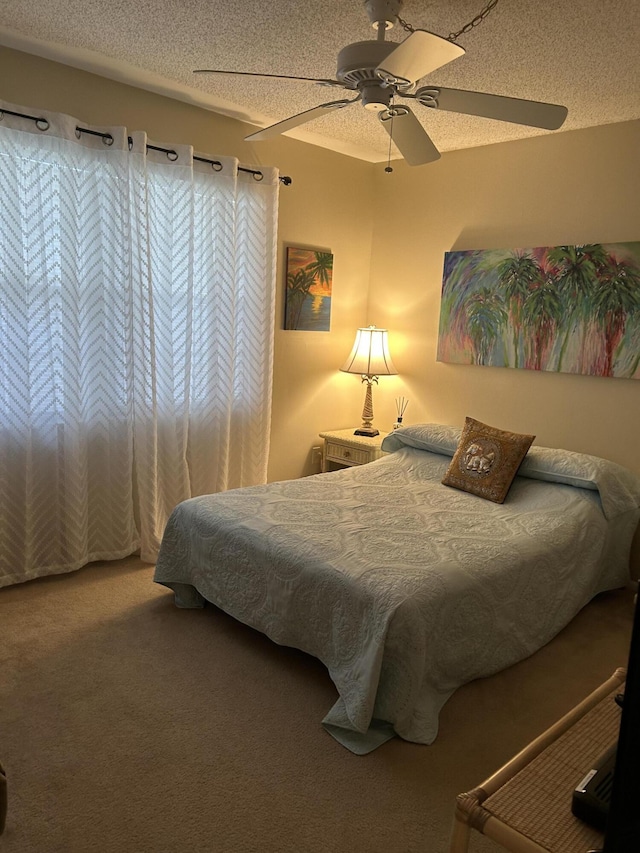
(404, 588)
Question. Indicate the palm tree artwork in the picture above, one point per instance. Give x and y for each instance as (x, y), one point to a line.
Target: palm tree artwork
(568, 309)
(309, 279)
(517, 275)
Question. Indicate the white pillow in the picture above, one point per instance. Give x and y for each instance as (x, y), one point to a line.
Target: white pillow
(437, 438)
(618, 486)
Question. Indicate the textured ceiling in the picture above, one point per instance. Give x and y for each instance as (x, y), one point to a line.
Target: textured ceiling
(580, 53)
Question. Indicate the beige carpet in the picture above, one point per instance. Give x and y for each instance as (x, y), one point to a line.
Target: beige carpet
(129, 726)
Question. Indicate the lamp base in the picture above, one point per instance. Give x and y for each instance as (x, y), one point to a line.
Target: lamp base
(370, 431)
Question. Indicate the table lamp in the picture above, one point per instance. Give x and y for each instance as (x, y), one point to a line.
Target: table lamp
(370, 358)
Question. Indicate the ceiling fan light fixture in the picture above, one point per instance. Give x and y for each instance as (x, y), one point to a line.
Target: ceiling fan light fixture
(375, 97)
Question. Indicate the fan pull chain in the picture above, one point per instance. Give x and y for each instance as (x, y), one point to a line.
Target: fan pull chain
(388, 168)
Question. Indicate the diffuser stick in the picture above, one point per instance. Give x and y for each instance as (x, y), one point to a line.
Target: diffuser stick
(401, 405)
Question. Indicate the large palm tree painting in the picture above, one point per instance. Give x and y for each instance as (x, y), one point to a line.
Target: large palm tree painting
(570, 309)
(309, 278)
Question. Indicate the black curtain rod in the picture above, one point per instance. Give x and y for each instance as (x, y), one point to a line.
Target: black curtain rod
(107, 138)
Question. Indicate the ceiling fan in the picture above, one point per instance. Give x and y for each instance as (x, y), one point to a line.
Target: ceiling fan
(379, 71)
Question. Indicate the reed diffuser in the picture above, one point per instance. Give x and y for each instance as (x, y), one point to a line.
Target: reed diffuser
(401, 405)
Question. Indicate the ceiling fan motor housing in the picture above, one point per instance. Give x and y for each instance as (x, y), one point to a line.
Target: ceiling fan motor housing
(357, 62)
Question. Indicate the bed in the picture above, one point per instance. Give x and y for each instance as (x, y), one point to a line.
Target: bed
(403, 587)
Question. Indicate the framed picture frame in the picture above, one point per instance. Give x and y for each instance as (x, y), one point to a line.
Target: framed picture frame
(308, 288)
(565, 309)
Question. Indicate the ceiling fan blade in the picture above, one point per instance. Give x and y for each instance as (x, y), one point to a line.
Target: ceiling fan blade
(410, 137)
(296, 120)
(416, 56)
(516, 110)
(325, 82)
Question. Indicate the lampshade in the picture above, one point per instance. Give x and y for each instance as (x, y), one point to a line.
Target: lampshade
(370, 358)
(370, 354)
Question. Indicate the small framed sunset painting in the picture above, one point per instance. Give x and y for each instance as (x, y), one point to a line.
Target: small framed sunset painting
(308, 286)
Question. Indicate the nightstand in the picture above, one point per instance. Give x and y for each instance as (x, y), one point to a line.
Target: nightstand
(344, 449)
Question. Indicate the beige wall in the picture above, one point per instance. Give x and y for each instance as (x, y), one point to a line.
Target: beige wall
(389, 234)
(329, 205)
(557, 189)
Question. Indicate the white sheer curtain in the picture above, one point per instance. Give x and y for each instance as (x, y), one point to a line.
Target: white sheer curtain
(136, 338)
